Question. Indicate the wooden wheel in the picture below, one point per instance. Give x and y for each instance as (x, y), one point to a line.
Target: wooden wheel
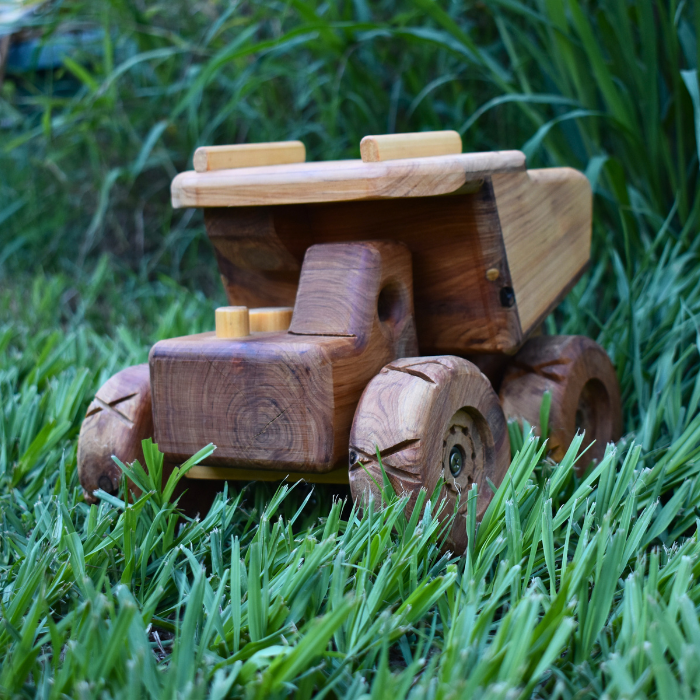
(585, 392)
(430, 417)
(117, 420)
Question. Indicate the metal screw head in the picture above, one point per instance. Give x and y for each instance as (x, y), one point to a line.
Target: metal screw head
(507, 296)
(456, 460)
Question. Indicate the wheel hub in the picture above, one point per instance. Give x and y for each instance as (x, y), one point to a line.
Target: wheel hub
(456, 460)
(463, 452)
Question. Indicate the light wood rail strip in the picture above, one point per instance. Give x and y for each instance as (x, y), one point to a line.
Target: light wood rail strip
(248, 155)
(419, 144)
(337, 476)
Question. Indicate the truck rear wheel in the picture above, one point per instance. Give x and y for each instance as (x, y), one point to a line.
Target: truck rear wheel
(430, 417)
(585, 392)
(117, 420)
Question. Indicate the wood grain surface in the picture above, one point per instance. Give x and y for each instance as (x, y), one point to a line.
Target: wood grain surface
(454, 241)
(420, 144)
(286, 400)
(338, 181)
(467, 299)
(257, 268)
(464, 247)
(584, 387)
(415, 411)
(545, 217)
(117, 420)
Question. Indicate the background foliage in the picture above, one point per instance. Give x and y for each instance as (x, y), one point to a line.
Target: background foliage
(570, 588)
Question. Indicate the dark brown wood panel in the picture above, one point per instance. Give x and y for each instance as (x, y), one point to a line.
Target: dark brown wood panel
(462, 286)
(454, 241)
(256, 268)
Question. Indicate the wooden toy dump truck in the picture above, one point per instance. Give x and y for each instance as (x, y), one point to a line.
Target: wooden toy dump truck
(389, 304)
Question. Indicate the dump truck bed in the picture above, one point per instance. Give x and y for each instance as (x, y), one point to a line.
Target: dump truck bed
(495, 246)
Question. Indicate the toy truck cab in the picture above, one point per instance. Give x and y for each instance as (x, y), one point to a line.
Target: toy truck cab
(398, 267)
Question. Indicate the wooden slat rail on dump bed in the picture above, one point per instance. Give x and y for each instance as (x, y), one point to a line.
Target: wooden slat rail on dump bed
(339, 180)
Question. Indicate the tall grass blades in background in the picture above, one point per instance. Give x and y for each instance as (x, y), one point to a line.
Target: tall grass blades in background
(90, 149)
(570, 587)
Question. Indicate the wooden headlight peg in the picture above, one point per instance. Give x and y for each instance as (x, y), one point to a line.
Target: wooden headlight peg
(232, 322)
(248, 155)
(421, 144)
(270, 318)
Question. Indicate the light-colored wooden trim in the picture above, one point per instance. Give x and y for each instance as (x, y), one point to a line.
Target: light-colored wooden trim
(337, 476)
(270, 318)
(232, 322)
(545, 218)
(419, 144)
(338, 181)
(248, 155)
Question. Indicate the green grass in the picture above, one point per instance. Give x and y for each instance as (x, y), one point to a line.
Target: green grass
(570, 588)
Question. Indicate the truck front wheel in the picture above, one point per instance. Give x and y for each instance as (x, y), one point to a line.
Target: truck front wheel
(430, 417)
